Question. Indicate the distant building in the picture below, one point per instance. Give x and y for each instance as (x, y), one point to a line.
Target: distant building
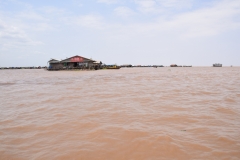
(75, 62)
(97, 62)
(173, 65)
(126, 65)
(217, 65)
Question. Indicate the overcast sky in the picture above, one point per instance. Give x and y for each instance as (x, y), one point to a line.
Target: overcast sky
(147, 32)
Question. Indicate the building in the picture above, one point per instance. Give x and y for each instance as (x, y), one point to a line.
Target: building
(75, 62)
(173, 65)
(217, 65)
(126, 65)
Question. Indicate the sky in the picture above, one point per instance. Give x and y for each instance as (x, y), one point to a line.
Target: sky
(137, 32)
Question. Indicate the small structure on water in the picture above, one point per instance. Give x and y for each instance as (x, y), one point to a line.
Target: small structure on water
(217, 65)
(75, 62)
(126, 65)
(112, 67)
(173, 65)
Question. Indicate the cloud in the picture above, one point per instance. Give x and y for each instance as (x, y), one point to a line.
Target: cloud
(153, 27)
(208, 21)
(31, 21)
(53, 10)
(124, 11)
(108, 1)
(176, 4)
(19, 3)
(30, 15)
(88, 21)
(13, 35)
(160, 6)
(147, 6)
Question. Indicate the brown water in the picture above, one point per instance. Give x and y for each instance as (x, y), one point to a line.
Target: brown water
(135, 113)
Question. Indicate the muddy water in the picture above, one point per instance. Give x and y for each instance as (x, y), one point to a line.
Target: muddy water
(135, 113)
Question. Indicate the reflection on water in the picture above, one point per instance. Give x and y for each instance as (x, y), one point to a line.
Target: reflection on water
(134, 113)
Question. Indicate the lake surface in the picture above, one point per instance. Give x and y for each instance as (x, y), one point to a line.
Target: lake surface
(131, 113)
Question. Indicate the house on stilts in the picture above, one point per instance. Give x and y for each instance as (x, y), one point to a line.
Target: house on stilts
(75, 62)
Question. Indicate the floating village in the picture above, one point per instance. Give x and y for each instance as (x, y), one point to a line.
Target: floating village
(82, 63)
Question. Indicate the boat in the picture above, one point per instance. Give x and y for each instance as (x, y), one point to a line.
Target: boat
(217, 65)
(113, 67)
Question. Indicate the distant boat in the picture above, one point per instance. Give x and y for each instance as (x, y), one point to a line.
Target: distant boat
(113, 67)
(126, 65)
(217, 65)
(155, 66)
(173, 65)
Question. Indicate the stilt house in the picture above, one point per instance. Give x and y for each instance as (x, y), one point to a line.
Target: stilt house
(75, 62)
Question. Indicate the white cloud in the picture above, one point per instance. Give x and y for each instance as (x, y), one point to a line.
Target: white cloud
(176, 4)
(89, 21)
(32, 21)
(209, 21)
(19, 3)
(13, 34)
(53, 10)
(108, 1)
(158, 6)
(153, 23)
(147, 6)
(77, 3)
(30, 15)
(198, 23)
(221, 17)
(124, 11)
